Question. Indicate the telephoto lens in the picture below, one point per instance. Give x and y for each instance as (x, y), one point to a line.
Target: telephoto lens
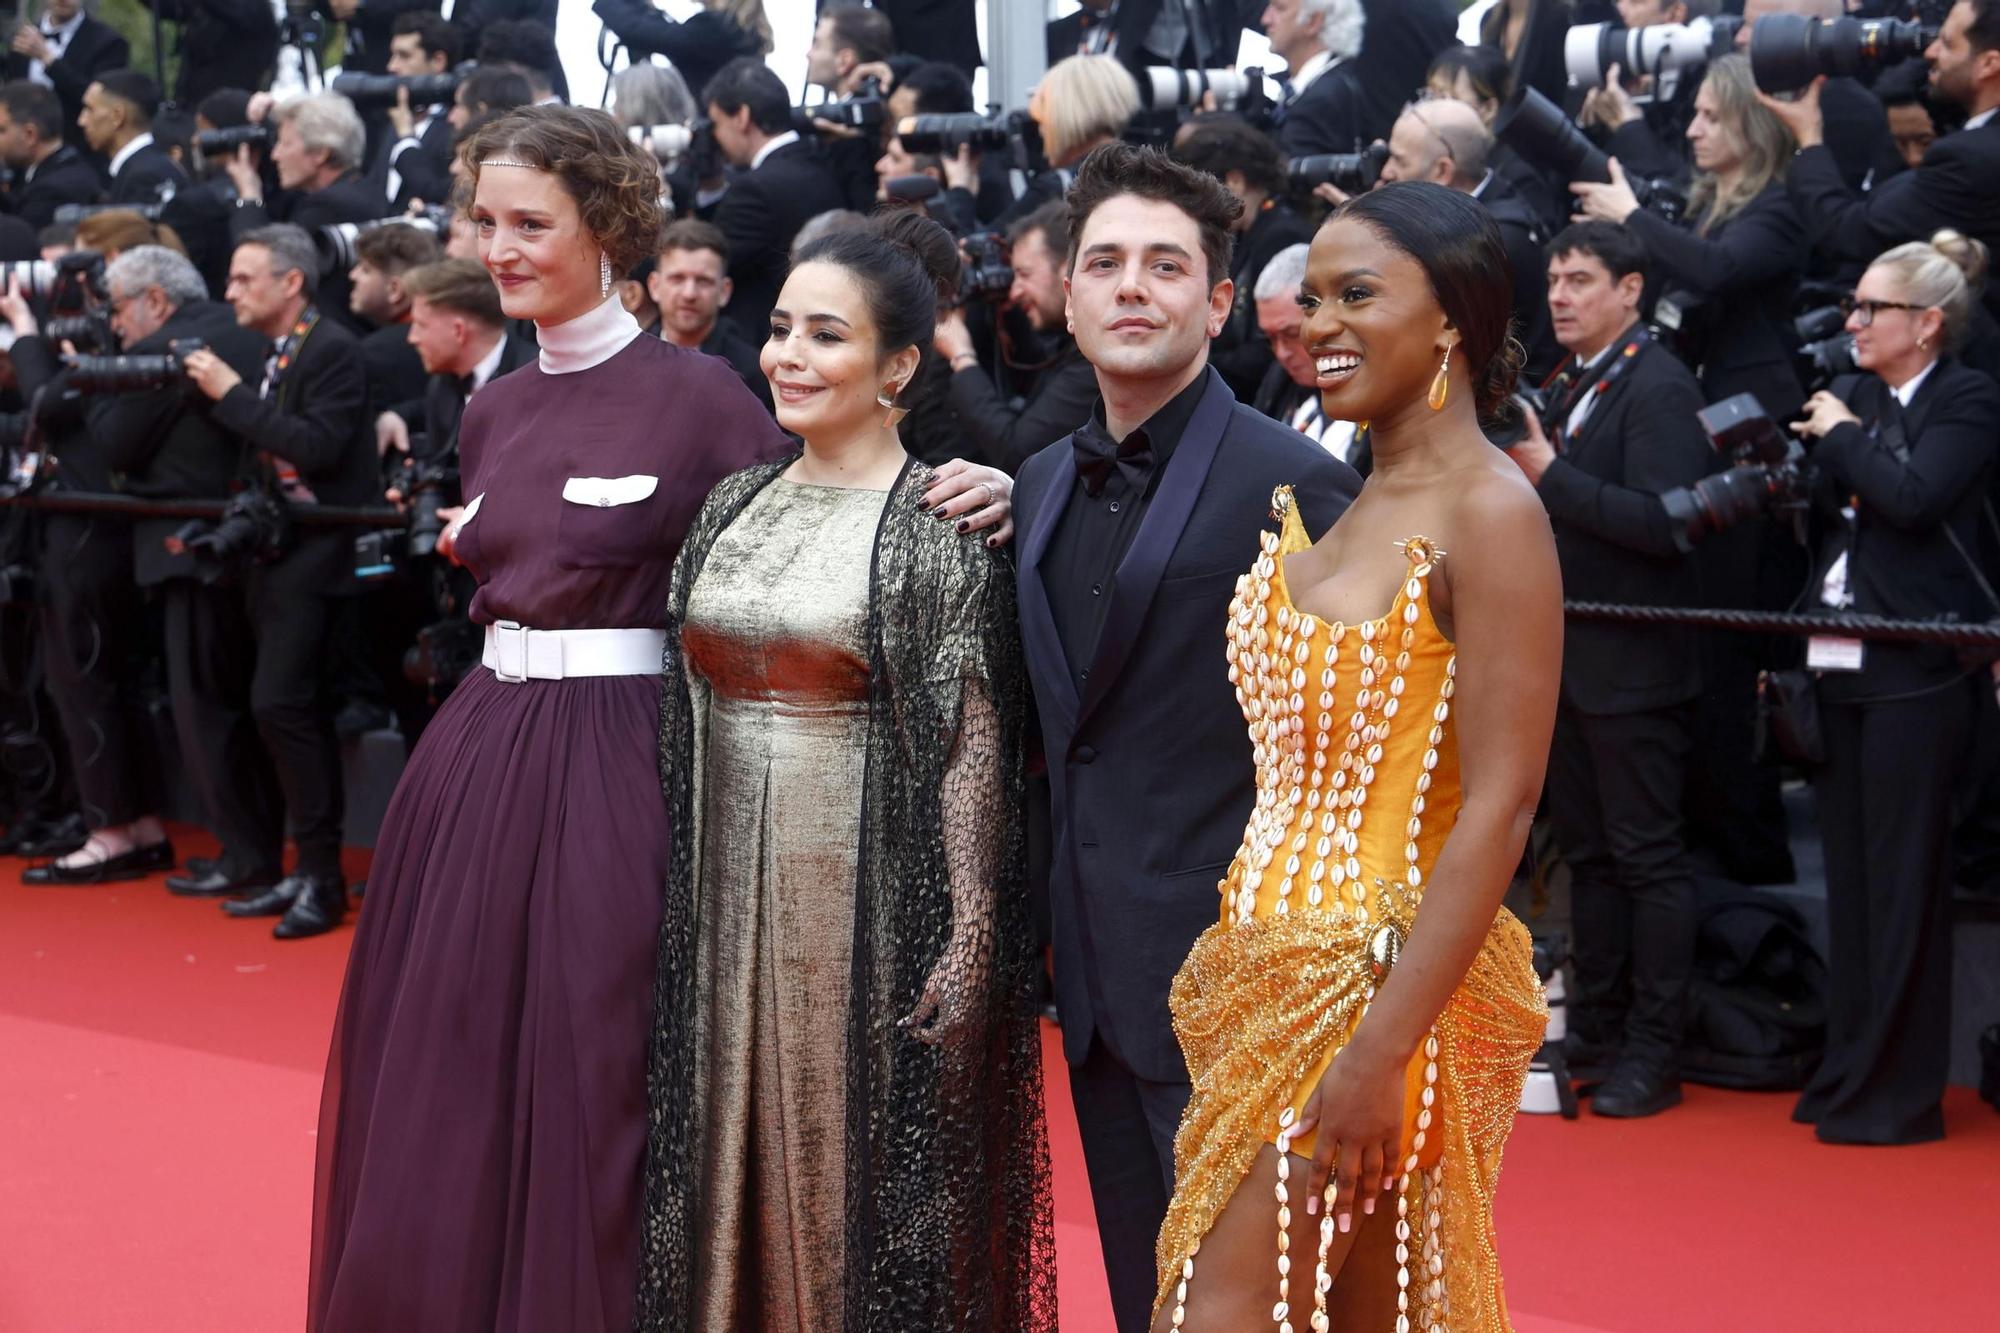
(1591, 49)
(1164, 86)
(1350, 173)
(944, 134)
(1787, 52)
(379, 90)
(224, 142)
(1537, 129)
(132, 374)
(666, 142)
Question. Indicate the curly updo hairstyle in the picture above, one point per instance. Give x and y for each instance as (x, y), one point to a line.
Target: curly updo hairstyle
(615, 183)
(906, 265)
(1454, 239)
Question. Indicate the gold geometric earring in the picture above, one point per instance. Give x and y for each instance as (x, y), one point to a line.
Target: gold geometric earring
(887, 398)
(1441, 386)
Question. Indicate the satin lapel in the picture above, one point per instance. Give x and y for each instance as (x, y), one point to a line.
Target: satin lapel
(1159, 533)
(1046, 659)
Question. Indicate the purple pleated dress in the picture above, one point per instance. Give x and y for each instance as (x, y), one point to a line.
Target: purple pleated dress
(484, 1115)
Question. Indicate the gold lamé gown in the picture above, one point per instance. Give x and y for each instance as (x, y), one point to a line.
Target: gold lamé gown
(776, 647)
(1357, 789)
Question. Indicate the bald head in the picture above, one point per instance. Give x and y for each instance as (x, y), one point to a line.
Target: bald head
(1440, 140)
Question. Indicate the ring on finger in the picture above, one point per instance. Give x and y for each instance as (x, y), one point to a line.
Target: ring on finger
(992, 497)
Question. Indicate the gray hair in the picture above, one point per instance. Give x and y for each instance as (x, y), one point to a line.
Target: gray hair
(1284, 274)
(649, 94)
(148, 266)
(292, 251)
(1341, 24)
(327, 121)
(825, 224)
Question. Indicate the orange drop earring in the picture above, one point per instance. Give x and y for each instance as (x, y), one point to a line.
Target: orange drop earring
(1441, 386)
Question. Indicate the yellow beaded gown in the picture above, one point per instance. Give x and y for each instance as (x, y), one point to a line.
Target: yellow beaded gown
(1357, 788)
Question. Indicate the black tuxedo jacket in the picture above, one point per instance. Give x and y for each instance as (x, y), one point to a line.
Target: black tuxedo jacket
(741, 354)
(425, 170)
(1736, 286)
(1524, 235)
(1956, 185)
(148, 177)
(760, 212)
(170, 443)
(18, 240)
(1616, 543)
(1149, 765)
(96, 47)
(438, 411)
(1330, 116)
(395, 372)
(66, 177)
(222, 44)
(1240, 351)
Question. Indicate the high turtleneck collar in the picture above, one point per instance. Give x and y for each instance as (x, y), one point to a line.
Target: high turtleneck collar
(589, 340)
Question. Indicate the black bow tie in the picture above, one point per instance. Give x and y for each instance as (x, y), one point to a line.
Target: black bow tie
(465, 386)
(1097, 454)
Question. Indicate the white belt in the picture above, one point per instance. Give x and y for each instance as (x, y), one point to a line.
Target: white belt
(515, 653)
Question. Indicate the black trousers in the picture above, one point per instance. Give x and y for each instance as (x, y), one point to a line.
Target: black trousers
(211, 657)
(289, 615)
(1127, 1124)
(91, 623)
(1885, 802)
(1735, 807)
(1615, 788)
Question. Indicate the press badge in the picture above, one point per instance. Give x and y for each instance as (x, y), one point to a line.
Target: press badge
(1824, 652)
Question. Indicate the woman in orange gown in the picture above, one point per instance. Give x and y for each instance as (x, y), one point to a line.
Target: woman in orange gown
(1359, 1023)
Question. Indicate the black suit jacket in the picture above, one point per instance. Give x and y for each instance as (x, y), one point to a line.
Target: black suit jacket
(946, 30)
(1734, 289)
(368, 32)
(66, 177)
(395, 372)
(1150, 768)
(1006, 437)
(149, 176)
(1401, 39)
(18, 240)
(1956, 185)
(1240, 351)
(1616, 543)
(1902, 563)
(352, 198)
(1524, 235)
(741, 354)
(222, 44)
(96, 47)
(760, 212)
(424, 169)
(441, 406)
(698, 47)
(170, 443)
(1330, 116)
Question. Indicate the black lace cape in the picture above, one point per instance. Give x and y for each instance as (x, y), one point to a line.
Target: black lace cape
(949, 1223)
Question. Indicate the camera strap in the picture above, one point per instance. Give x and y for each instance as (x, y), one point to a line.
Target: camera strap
(291, 485)
(1575, 390)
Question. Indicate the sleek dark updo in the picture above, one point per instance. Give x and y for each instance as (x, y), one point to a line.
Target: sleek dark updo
(906, 265)
(1455, 240)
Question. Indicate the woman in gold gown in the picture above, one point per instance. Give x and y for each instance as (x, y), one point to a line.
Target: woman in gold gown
(1359, 1023)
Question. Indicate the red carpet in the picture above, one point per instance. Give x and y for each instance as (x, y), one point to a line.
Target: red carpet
(159, 1077)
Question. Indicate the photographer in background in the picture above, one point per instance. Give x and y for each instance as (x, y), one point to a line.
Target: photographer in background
(48, 173)
(1904, 454)
(1478, 76)
(1622, 419)
(485, 91)
(369, 24)
(416, 164)
(1956, 185)
(1325, 108)
(530, 47)
(1443, 141)
(308, 426)
(848, 38)
(698, 46)
(1290, 391)
(460, 335)
(690, 285)
(318, 156)
(1246, 161)
(117, 122)
(779, 183)
(221, 44)
(1901, 89)
(66, 52)
(382, 258)
(1857, 130)
(1080, 104)
(1060, 396)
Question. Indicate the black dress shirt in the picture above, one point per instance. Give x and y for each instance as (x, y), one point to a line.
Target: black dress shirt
(1094, 533)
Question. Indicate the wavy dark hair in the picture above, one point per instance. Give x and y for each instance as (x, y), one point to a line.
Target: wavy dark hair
(1454, 239)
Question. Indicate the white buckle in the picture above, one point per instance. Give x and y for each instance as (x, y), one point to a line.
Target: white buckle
(510, 651)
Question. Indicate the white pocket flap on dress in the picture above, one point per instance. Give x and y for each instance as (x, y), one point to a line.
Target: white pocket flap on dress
(603, 492)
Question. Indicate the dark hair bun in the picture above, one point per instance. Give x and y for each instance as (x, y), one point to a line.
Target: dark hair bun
(1494, 393)
(924, 238)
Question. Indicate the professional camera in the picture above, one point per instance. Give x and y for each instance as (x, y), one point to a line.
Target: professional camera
(90, 332)
(1661, 51)
(986, 269)
(944, 133)
(133, 374)
(1350, 173)
(666, 142)
(367, 91)
(1787, 51)
(866, 110)
(1536, 128)
(255, 528)
(1241, 90)
(214, 145)
(70, 286)
(426, 487)
(338, 242)
(1766, 472)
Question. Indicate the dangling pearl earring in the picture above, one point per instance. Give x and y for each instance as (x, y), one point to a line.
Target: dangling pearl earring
(1441, 386)
(603, 276)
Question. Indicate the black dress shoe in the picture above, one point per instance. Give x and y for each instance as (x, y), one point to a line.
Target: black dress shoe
(275, 900)
(318, 909)
(55, 837)
(203, 865)
(1634, 1090)
(214, 884)
(1588, 1059)
(135, 864)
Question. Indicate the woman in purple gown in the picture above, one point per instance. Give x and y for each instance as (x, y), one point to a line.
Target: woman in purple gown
(484, 1117)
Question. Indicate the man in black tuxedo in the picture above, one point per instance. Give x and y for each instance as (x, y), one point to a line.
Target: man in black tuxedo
(459, 331)
(1326, 107)
(1622, 420)
(779, 182)
(690, 286)
(305, 425)
(318, 153)
(378, 298)
(1956, 185)
(48, 173)
(66, 52)
(117, 122)
(416, 162)
(1134, 531)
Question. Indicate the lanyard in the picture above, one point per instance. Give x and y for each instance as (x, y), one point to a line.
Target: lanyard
(1581, 389)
